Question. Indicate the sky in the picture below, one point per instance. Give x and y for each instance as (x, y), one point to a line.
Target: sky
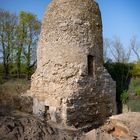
(120, 18)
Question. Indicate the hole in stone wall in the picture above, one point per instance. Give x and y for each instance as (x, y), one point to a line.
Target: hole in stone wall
(91, 66)
(47, 114)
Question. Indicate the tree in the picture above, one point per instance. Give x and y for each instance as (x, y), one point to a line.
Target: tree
(21, 39)
(106, 46)
(33, 27)
(28, 32)
(8, 22)
(121, 73)
(134, 46)
(116, 50)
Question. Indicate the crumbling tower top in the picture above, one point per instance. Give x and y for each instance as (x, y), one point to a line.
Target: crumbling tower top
(72, 23)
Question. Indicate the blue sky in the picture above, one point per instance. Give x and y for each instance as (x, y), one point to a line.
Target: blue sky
(120, 17)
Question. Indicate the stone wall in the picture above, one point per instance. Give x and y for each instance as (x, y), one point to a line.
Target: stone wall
(70, 79)
(89, 107)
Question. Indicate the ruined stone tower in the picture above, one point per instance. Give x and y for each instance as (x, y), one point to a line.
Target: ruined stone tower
(70, 82)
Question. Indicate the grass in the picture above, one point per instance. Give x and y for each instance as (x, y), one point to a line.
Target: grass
(9, 91)
(15, 86)
(137, 91)
(135, 86)
(134, 100)
(134, 105)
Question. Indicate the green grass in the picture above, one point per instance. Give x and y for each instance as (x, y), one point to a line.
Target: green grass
(10, 91)
(134, 105)
(1, 80)
(135, 86)
(15, 86)
(136, 82)
(134, 100)
(137, 91)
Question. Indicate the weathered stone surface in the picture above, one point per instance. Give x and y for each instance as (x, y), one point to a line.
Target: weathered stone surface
(70, 78)
(119, 127)
(24, 126)
(27, 127)
(12, 128)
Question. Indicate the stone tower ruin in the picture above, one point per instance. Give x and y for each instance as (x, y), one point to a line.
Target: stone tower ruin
(70, 83)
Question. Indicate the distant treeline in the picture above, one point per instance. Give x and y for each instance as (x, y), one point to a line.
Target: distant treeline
(18, 41)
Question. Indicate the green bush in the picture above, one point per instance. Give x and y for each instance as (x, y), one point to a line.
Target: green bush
(134, 105)
(136, 69)
(124, 97)
(121, 73)
(1, 81)
(137, 91)
(135, 82)
(135, 86)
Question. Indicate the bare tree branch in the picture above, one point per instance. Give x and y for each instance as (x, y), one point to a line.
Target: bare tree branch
(134, 45)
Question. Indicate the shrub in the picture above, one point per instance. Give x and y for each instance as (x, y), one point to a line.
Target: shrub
(137, 91)
(135, 86)
(1, 80)
(136, 69)
(121, 73)
(124, 97)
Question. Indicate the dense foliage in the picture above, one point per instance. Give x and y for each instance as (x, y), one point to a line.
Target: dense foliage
(18, 41)
(121, 73)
